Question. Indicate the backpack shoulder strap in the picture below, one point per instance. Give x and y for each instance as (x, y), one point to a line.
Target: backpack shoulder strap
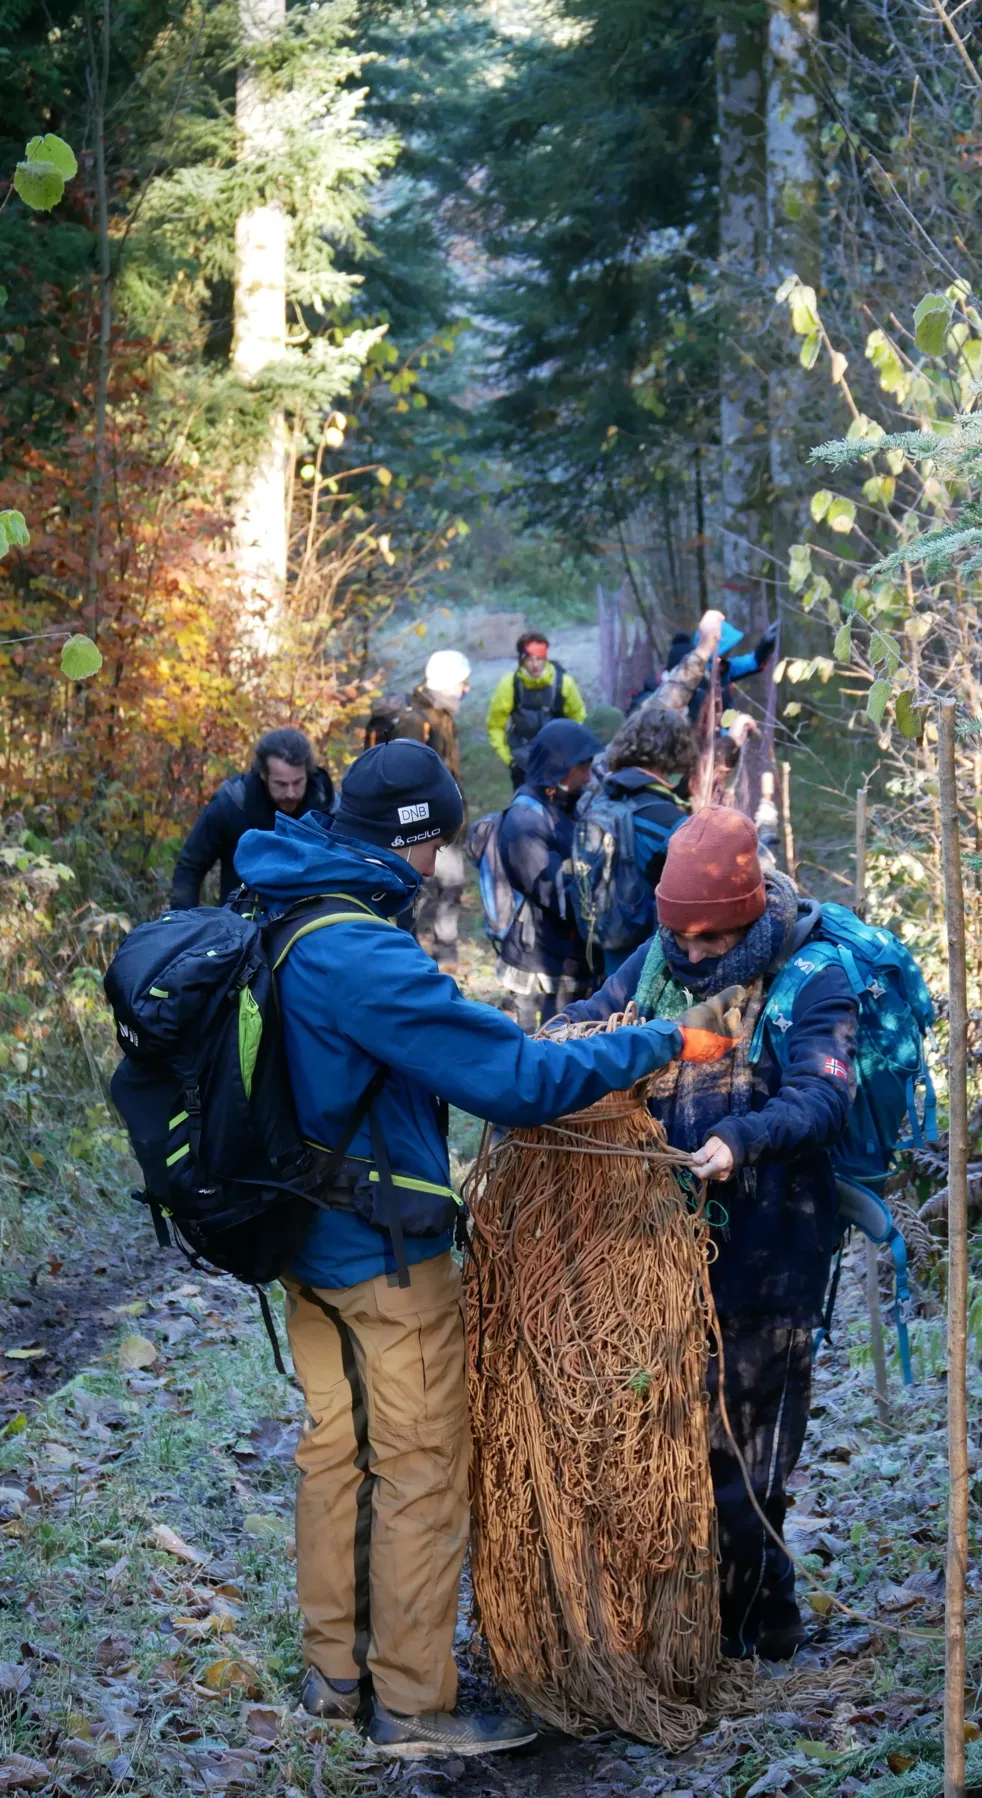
(776, 1012)
(558, 676)
(315, 914)
(234, 789)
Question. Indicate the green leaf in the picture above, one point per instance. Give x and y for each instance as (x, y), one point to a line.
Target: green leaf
(384, 477)
(932, 316)
(820, 503)
(786, 288)
(876, 704)
(54, 150)
(908, 717)
(799, 566)
(842, 647)
(809, 352)
(39, 184)
(13, 529)
(818, 1751)
(804, 311)
(80, 658)
(841, 515)
(3, 294)
(886, 649)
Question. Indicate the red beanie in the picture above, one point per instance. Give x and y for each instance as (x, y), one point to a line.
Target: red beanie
(712, 878)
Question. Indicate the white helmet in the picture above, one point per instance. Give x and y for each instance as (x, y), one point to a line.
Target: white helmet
(447, 670)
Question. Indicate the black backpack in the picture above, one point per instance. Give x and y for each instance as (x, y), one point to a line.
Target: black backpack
(204, 1092)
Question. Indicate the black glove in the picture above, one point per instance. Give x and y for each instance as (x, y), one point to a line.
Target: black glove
(767, 645)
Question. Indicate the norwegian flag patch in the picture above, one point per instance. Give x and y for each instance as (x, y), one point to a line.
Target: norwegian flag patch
(836, 1069)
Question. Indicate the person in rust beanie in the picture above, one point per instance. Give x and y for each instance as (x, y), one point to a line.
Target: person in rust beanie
(758, 1131)
(712, 883)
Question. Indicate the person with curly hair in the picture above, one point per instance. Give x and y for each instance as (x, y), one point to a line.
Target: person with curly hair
(649, 758)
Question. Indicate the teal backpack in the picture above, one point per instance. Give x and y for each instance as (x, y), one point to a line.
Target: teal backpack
(896, 1013)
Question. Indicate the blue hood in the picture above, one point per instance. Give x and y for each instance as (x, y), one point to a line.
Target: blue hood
(559, 746)
(304, 856)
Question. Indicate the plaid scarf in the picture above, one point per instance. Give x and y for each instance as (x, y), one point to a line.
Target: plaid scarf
(689, 1098)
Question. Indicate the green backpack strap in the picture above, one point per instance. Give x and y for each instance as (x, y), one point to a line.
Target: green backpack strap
(301, 921)
(315, 914)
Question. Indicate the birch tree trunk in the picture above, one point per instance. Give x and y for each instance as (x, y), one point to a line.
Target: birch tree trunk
(793, 172)
(745, 477)
(260, 530)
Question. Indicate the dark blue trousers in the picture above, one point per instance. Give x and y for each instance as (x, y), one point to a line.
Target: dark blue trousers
(767, 1387)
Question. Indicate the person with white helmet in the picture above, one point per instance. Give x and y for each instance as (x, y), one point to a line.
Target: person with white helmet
(429, 715)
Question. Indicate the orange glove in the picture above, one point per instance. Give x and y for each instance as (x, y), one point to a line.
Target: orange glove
(712, 1028)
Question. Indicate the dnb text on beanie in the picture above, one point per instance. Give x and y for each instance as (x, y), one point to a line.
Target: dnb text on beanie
(712, 879)
(397, 794)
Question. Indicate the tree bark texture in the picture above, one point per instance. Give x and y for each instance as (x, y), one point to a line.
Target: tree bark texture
(954, 1696)
(745, 477)
(793, 175)
(260, 532)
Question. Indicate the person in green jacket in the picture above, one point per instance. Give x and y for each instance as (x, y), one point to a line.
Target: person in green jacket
(524, 701)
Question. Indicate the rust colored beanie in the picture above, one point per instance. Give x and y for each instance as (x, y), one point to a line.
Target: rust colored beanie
(712, 878)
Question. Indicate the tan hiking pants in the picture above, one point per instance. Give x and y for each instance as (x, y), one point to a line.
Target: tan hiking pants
(382, 1512)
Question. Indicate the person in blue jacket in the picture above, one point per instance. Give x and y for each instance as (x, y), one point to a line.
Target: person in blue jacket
(760, 1135)
(543, 960)
(373, 1298)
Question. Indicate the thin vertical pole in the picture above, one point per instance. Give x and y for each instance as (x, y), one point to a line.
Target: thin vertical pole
(954, 901)
(872, 1267)
(859, 902)
(876, 1332)
(790, 862)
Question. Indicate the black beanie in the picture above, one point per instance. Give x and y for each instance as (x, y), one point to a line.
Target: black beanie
(399, 793)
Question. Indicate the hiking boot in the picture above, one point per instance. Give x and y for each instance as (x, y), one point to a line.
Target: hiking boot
(322, 1699)
(781, 1644)
(438, 1734)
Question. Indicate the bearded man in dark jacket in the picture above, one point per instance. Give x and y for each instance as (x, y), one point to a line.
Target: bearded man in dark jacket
(543, 959)
(283, 778)
(760, 1134)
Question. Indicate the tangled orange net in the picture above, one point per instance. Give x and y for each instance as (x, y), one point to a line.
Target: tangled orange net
(594, 1532)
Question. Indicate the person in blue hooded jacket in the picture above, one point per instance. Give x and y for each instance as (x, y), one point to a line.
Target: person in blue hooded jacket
(543, 960)
(377, 1334)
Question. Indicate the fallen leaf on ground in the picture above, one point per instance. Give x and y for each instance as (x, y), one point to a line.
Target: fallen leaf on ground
(899, 1763)
(14, 1680)
(13, 1502)
(135, 1309)
(820, 1602)
(20, 1774)
(263, 1525)
(172, 1544)
(112, 1652)
(33, 1353)
(229, 1675)
(262, 1723)
(135, 1352)
(57, 1457)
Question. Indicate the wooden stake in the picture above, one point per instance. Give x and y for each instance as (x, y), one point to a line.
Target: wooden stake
(954, 1689)
(790, 863)
(876, 1332)
(872, 1268)
(859, 903)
